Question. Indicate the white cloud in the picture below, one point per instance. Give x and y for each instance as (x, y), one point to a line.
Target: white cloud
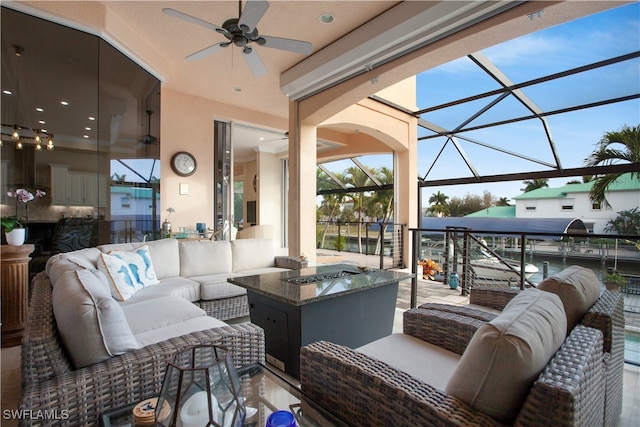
(522, 49)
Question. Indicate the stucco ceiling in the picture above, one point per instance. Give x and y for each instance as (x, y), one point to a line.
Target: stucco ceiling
(224, 75)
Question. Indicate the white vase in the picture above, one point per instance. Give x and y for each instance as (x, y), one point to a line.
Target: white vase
(16, 237)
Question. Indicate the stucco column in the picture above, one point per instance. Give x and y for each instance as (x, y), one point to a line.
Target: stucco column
(302, 186)
(270, 194)
(406, 189)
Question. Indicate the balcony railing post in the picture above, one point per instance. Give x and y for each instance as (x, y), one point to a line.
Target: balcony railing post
(383, 227)
(414, 269)
(366, 238)
(522, 259)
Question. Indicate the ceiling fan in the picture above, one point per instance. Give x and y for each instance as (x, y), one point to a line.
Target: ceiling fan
(242, 32)
(148, 139)
(284, 137)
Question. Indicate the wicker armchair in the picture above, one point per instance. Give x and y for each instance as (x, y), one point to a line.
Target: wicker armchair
(365, 391)
(606, 315)
(78, 397)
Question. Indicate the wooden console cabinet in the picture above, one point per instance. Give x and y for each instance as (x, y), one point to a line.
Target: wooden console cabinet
(14, 291)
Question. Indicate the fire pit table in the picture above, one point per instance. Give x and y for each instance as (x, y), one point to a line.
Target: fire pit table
(341, 303)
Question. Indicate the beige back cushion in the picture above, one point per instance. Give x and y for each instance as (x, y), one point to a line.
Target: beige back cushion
(91, 324)
(250, 254)
(204, 257)
(506, 355)
(261, 231)
(59, 264)
(578, 289)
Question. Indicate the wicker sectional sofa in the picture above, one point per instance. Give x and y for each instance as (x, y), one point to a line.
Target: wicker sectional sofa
(406, 379)
(84, 352)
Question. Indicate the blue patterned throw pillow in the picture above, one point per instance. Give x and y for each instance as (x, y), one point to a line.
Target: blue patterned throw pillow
(119, 275)
(139, 262)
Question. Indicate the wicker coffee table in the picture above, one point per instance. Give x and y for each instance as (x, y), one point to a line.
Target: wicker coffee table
(265, 390)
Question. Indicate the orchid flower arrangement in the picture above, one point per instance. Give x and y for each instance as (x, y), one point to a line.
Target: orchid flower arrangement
(22, 196)
(170, 210)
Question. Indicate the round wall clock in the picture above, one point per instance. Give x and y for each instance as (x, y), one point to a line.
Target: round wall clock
(183, 163)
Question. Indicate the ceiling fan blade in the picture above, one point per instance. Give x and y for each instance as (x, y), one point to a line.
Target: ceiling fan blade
(192, 19)
(290, 45)
(255, 63)
(252, 13)
(207, 51)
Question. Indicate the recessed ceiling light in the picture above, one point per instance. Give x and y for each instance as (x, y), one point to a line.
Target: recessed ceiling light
(237, 89)
(327, 18)
(64, 102)
(7, 92)
(87, 128)
(41, 122)
(39, 109)
(91, 118)
(85, 136)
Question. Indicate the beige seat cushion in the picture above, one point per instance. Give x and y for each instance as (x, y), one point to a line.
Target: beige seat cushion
(411, 355)
(91, 324)
(506, 355)
(578, 289)
(175, 286)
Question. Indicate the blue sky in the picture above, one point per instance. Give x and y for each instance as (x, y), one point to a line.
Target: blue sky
(581, 42)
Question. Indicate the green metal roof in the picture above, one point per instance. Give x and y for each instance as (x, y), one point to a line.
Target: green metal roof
(495, 212)
(135, 192)
(625, 183)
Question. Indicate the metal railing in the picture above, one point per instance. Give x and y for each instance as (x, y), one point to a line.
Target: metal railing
(454, 248)
(384, 239)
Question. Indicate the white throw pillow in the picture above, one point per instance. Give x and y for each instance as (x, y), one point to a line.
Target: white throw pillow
(119, 275)
(505, 356)
(139, 262)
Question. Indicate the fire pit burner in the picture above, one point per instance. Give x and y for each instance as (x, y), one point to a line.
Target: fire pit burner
(321, 277)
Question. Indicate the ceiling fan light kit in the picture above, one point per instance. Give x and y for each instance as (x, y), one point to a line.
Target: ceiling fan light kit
(241, 32)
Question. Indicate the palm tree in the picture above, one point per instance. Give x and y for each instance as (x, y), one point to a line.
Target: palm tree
(439, 203)
(330, 202)
(607, 152)
(381, 202)
(534, 184)
(357, 178)
(503, 201)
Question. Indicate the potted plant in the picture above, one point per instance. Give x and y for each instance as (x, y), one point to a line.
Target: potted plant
(429, 268)
(615, 282)
(14, 226)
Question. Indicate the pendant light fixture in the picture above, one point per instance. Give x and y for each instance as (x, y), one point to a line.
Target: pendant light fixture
(20, 133)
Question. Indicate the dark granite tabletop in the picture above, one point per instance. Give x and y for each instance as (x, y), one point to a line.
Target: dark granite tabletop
(299, 287)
